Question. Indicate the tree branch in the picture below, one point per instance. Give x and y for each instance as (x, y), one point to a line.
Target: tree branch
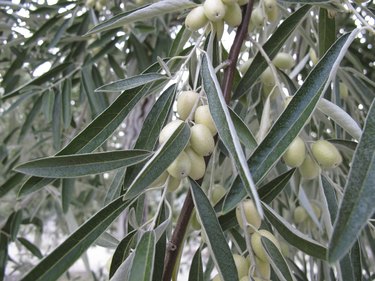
(175, 242)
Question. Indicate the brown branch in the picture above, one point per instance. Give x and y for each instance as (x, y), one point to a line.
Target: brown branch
(234, 52)
(187, 209)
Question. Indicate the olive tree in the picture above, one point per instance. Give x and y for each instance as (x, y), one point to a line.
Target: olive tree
(196, 140)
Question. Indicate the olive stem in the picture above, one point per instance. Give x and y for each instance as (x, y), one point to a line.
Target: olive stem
(175, 242)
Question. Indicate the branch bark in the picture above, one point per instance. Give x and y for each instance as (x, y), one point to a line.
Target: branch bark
(175, 242)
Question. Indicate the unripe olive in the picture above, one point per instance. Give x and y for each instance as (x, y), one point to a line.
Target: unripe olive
(198, 165)
(229, 2)
(263, 268)
(267, 77)
(271, 9)
(257, 18)
(161, 179)
(186, 102)
(90, 3)
(344, 93)
(218, 192)
(214, 10)
(201, 140)
(194, 221)
(196, 19)
(257, 245)
(168, 130)
(233, 15)
(309, 169)
(316, 209)
(295, 154)
(283, 61)
(203, 116)
(313, 56)
(299, 214)
(326, 154)
(242, 265)
(245, 66)
(173, 184)
(251, 215)
(180, 167)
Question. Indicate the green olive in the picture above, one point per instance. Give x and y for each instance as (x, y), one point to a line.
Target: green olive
(173, 184)
(343, 89)
(201, 140)
(326, 154)
(283, 61)
(161, 179)
(194, 221)
(257, 245)
(198, 165)
(218, 192)
(242, 2)
(309, 169)
(196, 19)
(257, 18)
(203, 116)
(229, 2)
(245, 66)
(267, 77)
(180, 167)
(233, 15)
(242, 265)
(295, 154)
(186, 102)
(299, 214)
(251, 215)
(263, 268)
(214, 10)
(317, 210)
(168, 130)
(271, 9)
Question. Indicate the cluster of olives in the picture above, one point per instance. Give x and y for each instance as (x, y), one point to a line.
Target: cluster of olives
(217, 12)
(190, 162)
(267, 10)
(300, 215)
(262, 269)
(324, 155)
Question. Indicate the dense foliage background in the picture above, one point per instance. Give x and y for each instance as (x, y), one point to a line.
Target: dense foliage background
(86, 87)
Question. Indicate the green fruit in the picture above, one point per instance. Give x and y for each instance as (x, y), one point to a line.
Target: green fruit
(257, 18)
(283, 61)
(198, 165)
(218, 192)
(344, 93)
(251, 215)
(257, 245)
(173, 184)
(271, 9)
(316, 209)
(267, 77)
(180, 167)
(309, 169)
(214, 10)
(194, 221)
(233, 15)
(299, 214)
(201, 140)
(295, 154)
(242, 265)
(196, 19)
(263, 269)
(245, 66)
(326, 154)
(186, 102)
(168, 130)
(203, 116)
(229, 2)
(242, 2)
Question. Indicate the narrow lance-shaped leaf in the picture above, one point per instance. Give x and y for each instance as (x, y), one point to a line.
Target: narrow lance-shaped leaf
(294, 236)
(143, 261)
(244, 134)
(226, 129)
(57, 262)
(82, 164)
(143, 13)
(271, 47)
(218, 246)
(130, 83)
(160, 161)
(196, 268)
(288, 125)
(357, 205)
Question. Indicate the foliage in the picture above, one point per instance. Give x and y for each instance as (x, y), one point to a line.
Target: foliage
(86, 89)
